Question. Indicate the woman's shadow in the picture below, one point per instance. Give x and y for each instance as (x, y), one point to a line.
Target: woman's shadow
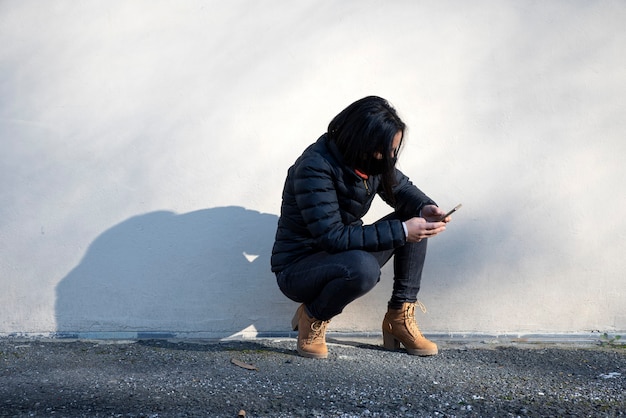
(204, 273)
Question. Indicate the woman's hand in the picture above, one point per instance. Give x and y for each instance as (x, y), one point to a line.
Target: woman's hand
(433, 214)
(420, 228)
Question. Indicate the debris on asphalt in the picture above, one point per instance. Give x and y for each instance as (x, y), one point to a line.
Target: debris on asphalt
(161, 378)
(243, 365)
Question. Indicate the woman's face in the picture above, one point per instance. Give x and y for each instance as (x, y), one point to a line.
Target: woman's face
(395, 147)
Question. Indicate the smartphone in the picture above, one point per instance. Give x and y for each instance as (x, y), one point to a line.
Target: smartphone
(454, 209)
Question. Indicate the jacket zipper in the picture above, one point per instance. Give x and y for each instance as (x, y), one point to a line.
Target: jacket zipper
(364, 177)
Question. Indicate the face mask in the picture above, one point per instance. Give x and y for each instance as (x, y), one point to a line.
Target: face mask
(377, 167)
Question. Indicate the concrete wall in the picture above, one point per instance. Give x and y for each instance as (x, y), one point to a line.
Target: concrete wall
(145, 143)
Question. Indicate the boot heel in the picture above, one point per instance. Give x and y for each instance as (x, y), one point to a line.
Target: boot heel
(296, 318)
(294, 322)
(390, 342)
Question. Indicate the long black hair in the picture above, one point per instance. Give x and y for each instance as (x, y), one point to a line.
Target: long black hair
(363, 129)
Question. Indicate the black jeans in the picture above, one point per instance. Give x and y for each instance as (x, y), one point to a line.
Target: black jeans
(327, 283)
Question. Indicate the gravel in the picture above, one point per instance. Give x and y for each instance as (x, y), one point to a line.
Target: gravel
(265, 378)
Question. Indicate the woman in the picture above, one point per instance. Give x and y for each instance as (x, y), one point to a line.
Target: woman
(324, 256)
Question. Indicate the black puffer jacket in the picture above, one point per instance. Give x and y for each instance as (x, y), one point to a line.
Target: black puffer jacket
(324, 201)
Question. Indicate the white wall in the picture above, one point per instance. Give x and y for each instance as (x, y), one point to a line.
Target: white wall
(145, 143)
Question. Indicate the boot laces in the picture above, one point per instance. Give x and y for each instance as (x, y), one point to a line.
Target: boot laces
(410, 317)
(422, 306)
(319, 331)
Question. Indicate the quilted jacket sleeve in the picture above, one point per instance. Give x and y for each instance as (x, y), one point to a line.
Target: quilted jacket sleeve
(316, 196)
(409, 200)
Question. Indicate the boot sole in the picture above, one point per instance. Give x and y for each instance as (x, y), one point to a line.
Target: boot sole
(392, 343)
(311, 355)
(422, 353)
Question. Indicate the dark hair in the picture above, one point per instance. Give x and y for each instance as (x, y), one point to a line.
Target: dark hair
(365, 128)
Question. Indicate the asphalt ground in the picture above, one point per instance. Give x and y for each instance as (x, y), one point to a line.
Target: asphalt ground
(266, 378)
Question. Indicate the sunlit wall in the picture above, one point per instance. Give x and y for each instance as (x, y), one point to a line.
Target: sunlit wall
(144, 146)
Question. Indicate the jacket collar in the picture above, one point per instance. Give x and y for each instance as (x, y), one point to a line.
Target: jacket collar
(336, 154)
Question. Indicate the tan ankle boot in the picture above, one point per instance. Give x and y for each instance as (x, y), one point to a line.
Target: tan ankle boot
(311, 334)
(400, 326)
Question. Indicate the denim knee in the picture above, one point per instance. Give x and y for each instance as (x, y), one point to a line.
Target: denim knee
(363, 271)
